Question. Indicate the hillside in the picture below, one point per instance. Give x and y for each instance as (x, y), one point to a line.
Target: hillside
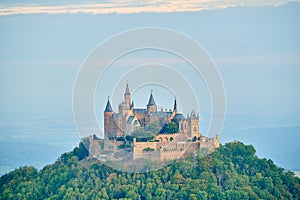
(233, 171)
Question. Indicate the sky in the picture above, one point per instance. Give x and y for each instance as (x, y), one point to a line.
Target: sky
(125, 7)
(254, 44)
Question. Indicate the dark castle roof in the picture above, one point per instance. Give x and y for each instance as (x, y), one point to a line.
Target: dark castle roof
(139, 110)
(151, 101)
(130, 119)
(179, 117)
(160, 114)
(108, 107)
(175, 105)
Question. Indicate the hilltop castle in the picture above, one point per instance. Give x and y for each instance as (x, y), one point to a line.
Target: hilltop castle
(177, 135)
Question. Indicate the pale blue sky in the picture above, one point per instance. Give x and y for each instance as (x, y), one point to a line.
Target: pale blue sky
(256, 48)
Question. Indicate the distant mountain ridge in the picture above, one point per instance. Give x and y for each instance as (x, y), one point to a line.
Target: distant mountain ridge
(233, 171)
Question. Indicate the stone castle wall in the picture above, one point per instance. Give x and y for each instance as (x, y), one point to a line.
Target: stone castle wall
(170, 154)
(169, 137)
(210, 143)
(138, 147)
(94, 148)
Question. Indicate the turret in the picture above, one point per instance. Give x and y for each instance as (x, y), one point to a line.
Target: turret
(127, 95)
(108, 107)
(108, 120)
(151, 106)
(193, 122)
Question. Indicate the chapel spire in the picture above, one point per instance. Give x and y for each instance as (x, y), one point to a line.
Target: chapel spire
(127, 95)
(127, 89)
(151, 101)
(175, 105)
(151, 106)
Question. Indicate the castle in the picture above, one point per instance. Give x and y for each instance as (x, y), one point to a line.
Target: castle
(129, 130)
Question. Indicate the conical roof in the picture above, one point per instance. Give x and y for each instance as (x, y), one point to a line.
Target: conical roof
(175, 105)
(108, 107)
(127, 89)
(151, 101)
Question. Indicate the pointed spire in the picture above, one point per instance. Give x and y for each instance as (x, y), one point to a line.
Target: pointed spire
(132, 103)
(175, 105)
(151, 101)
(127, 96)
(127, 89)
(108, 107)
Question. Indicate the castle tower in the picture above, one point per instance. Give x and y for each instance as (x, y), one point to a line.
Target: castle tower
(127, 95)
(193, 123)
(108, 120)
(151, 106)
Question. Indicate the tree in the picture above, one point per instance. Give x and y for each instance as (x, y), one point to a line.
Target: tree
(172, 128)
(169, 128)
(148, 149)
(81, 151)
(154, 127)
(141, 135)
(223, 174)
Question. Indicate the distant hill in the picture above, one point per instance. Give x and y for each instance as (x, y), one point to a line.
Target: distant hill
(233, 171)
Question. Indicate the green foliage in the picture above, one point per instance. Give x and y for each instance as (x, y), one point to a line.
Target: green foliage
(148, 149)
(141, 135)
(169, 128)
(124, 145)
(81, 151)
(120, 139)
(121, 146)
(129, 138)
(154, 127)
(172, 128)
(231, 172)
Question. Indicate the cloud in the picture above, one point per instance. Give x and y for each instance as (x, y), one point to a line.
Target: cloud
(126, 7)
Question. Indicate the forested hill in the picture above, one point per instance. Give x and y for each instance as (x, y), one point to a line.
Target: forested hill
(231, 172)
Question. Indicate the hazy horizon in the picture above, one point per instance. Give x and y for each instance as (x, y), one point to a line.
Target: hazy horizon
(256, 48)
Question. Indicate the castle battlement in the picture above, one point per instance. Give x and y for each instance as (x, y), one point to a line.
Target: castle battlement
(171, 151)
(178, 133)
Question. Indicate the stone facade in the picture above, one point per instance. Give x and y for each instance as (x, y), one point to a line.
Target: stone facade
(165, 145)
